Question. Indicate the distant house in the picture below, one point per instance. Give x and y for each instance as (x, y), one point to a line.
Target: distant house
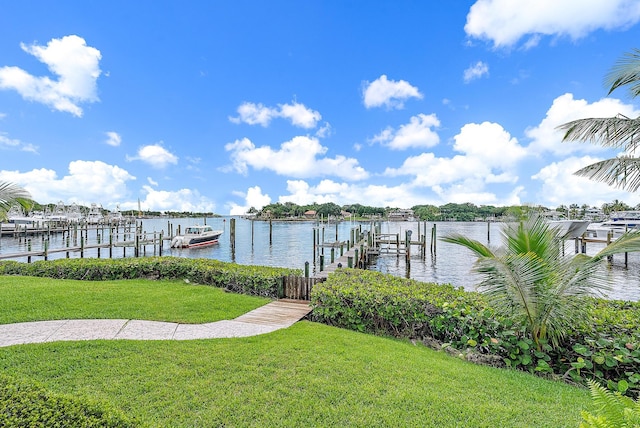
(346, 214)
(401, 215)
(310, 214)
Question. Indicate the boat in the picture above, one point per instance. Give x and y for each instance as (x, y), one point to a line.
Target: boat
(618, 223)
(115, 217)
(196, 236)
(95, 215)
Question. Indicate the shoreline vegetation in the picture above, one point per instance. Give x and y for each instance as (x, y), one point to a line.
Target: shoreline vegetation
(290, 211)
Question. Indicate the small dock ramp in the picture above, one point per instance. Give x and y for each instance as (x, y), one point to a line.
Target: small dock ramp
(284, 312)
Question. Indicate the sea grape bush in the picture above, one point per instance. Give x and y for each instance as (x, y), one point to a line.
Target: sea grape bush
(605, 347)
(253, 280)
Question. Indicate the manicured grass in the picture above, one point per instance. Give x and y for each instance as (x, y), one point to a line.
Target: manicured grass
(307, 375)
(36, 299)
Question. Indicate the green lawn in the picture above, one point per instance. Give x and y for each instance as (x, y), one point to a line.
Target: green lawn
(37, 299)
(307, 375)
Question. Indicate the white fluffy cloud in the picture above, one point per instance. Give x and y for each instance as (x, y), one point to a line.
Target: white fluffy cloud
(389, 93)
(418, 133)
(298, 158)
(489, 154)
(155, 155)
(75, 65)
(113, 138)
(100, 183)
(506, 22)
(302, 193)
(476, 71)
(258, 114)
(252, 198)
(10, 143)
(183, 200)
(561, 186)
(546, 138)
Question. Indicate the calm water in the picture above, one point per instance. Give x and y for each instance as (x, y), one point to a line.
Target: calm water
(292, 246)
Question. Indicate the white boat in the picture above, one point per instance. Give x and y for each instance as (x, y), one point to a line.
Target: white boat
(95, 215)
(619, 222)
(196, 236)
(59, 213)
(16, 215)
(115, 217)
(73, 214)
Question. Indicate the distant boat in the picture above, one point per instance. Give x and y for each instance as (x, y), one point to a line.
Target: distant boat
(619, 222)
(95, 215)
(73, 213)
(196, 236)
(115, 216)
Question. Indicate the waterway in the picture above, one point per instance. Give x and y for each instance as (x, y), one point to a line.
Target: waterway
(290, 244)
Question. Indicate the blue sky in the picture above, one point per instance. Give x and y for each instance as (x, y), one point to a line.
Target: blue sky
(223, 105)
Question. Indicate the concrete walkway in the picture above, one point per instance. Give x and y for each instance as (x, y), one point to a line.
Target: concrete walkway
(270, 317)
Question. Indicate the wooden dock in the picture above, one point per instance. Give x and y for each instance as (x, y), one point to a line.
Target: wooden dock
(279, 312)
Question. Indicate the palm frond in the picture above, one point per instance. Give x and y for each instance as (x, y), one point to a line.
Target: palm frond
(477, 247)
(625, 72)
(622, 172)
(617, 132)
(628, 242)
(11, 193)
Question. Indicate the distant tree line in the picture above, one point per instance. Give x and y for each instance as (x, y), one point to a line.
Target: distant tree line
(447, 212)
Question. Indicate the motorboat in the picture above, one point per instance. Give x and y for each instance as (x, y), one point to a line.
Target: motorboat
(609, 230)
(95, 215)
(196, 236)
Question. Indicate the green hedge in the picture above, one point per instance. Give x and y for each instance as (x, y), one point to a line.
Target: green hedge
(28, 405)
(605, 347)
(253, 280)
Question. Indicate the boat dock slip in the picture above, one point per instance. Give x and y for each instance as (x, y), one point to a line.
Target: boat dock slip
(265, 319)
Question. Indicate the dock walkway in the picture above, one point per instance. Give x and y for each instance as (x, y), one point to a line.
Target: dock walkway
(265, 319)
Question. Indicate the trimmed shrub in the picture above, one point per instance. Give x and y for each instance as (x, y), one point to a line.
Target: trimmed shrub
(29, 405)
(253, 280)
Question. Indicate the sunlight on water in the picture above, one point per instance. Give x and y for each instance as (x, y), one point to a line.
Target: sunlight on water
(292, 245)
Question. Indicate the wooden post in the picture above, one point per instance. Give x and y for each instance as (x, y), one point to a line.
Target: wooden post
(161, 244)
(306, 269)
(232, 233)
(321, 262)
(81, 247)
(270, 232)
(252, 232)
(488, 231)
(333, 253)
(314, 246)
(350, 261)
(336, 230)
(111, 245)
(46, 249)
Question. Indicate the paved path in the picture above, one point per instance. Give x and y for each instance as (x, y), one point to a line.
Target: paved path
(270, 317)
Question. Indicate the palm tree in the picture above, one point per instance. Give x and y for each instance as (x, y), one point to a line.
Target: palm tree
(529, 280)
(11, 194)
(618, 132)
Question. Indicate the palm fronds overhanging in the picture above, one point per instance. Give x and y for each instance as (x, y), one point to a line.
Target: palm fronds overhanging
(11, 194)
(619, 132)
(529, 281)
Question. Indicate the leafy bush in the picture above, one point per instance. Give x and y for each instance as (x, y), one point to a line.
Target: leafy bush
(253, 280)
(28, 405)
(604, 347)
